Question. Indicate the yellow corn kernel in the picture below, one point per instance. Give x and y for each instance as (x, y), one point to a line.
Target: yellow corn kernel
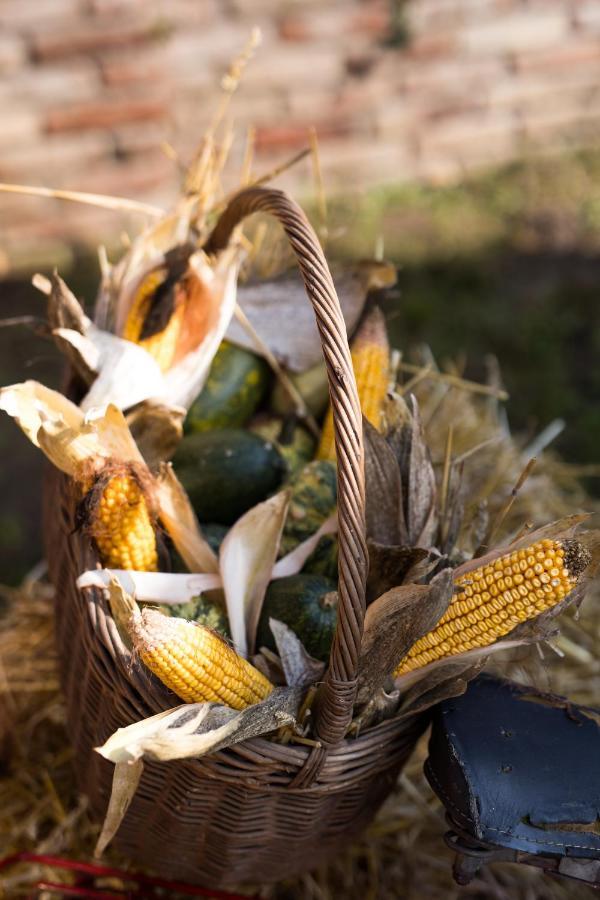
(122, 528)
(371, 364)
(195, 662)
(477, 618)
(162, 345)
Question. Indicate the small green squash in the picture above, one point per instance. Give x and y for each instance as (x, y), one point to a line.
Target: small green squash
(234, 389)
(214, 535)
(313, 499)
(294, 442)
(324, 558)
(227, 472)
(305, 603)
(206, 609)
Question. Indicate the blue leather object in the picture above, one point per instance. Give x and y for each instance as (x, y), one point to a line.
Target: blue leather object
(519, 769)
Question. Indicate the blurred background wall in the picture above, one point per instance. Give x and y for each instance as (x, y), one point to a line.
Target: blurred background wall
(461, 135)
(397, 90)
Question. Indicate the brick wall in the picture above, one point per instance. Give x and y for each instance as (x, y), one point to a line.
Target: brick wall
(90, 89)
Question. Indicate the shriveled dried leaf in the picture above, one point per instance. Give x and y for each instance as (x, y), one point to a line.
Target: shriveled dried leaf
(429, 676)
(178, 517)
(157, 430)
(381, 706)
(392, 625)
(389, 566)
(449, 680)
(398, 434)
(300, 668)
(63, 309)
(195, 729)
(270, 665)
(247, 557)
(454, 512)
(59, 428)
(384, 512)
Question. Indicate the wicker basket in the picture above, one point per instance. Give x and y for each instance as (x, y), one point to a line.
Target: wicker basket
(259, 811)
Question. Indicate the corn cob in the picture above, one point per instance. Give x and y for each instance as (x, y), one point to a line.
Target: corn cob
(195, 662)
(163, 344)
(495, 598)
(121, 525)
(370, 361)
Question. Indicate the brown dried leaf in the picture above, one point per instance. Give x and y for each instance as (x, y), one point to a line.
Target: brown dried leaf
(421, 516)
(389, 565)
(385, 519)
(449, 680)
(392, 625)
(63, 309)
(299, 667)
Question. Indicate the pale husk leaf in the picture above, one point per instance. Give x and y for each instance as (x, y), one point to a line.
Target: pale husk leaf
(126, 778)
(293, 562)
(127, 374)
(247, 557)
(59, 428)
(269, 303)
(169, 588)
(178, 517)
(185, 379)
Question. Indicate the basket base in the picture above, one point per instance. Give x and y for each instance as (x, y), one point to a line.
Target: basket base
(223, 820)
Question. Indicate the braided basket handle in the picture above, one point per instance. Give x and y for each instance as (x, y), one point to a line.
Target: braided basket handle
(334, 707)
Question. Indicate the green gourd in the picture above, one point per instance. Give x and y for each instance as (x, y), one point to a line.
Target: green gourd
(234, 389)
(227, 472)
(305, 603)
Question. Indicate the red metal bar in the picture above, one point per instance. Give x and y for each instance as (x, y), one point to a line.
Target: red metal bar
(97, 871)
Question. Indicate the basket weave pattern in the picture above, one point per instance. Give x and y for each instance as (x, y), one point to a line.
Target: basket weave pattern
(259, 811)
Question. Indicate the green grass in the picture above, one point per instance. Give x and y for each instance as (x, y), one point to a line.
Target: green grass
(508, 264)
